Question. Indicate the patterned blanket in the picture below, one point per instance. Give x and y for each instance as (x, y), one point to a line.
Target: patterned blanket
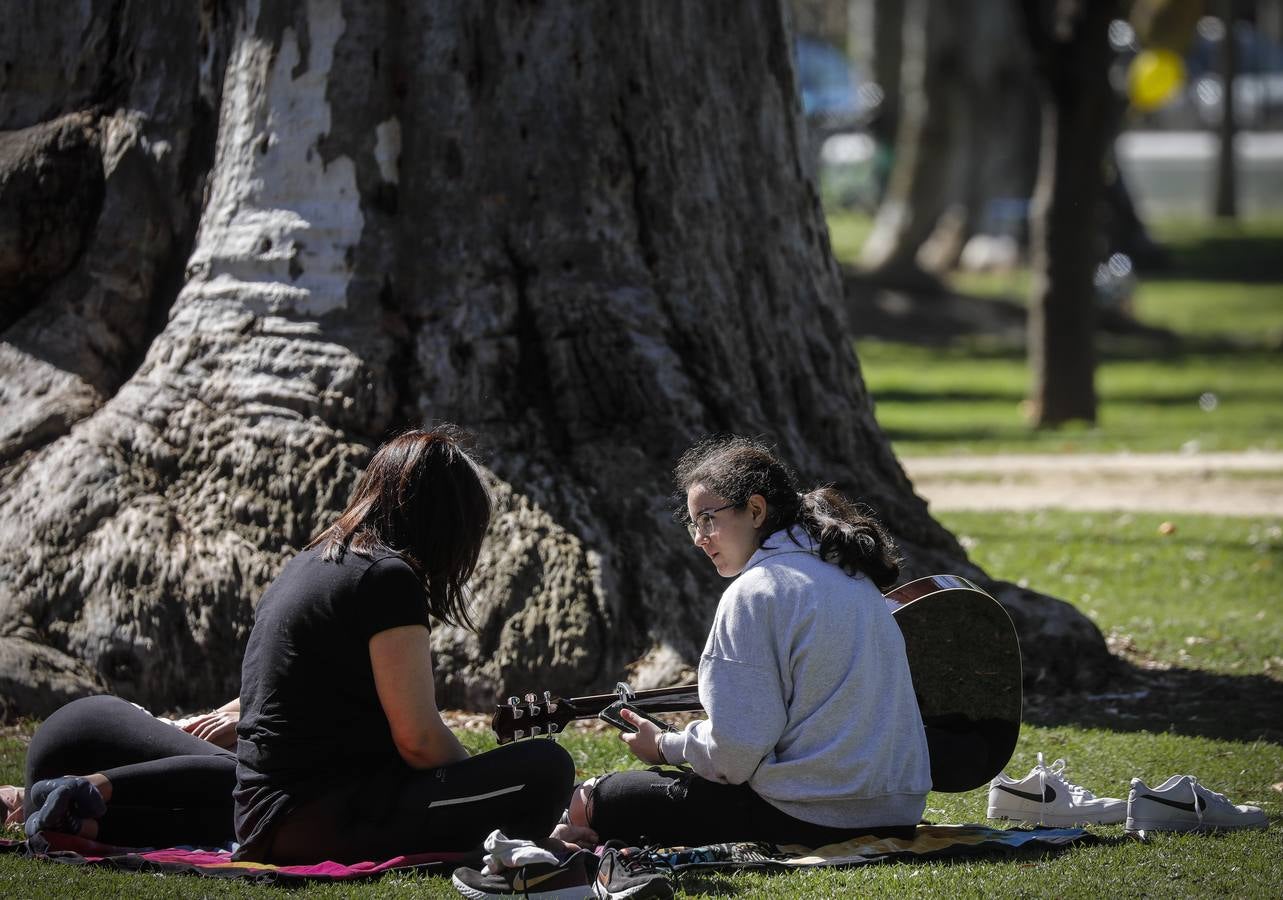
(931, 842)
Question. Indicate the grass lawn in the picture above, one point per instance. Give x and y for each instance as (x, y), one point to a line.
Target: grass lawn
(1208, 595)
(1217, 581)
(940, 400)
(1221, 390)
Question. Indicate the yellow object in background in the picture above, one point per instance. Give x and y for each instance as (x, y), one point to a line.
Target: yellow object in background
(1154, 78)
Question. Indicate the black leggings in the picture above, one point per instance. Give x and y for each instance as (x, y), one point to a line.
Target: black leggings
(520, 788)
(679, 808)
(168, 787)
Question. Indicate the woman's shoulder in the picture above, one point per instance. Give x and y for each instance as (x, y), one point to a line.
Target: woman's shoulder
(322, 566)
(805, 574)
(387, 569)
(762, 583)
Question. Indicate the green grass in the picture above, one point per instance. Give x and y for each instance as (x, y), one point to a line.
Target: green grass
(847, 233)
(1222, 294)
(1208, 595)
(959, 400)
(1225, 310)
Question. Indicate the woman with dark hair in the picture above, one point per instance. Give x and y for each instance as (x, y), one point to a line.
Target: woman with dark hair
(342, 753)
(813, 733)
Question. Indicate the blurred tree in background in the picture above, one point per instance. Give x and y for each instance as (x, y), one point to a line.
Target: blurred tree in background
(1001, 119)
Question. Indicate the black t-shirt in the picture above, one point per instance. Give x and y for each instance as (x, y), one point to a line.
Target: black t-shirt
(310, 714)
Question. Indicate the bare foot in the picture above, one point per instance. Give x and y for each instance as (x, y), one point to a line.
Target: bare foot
(11, 801)
(573, 837)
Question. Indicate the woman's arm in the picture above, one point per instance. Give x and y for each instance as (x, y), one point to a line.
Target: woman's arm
(401, 658)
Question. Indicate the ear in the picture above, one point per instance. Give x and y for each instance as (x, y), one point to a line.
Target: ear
(756, 506)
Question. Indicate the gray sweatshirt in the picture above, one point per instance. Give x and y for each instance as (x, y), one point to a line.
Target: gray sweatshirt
(808, 695)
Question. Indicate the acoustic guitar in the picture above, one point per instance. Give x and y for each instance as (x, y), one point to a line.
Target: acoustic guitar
(964, 658)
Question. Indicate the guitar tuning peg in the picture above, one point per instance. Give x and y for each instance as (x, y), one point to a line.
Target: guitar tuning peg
(514, 701)
(518, 734)
(518, 712)
(553, 728)
(530, 698)
(535, 731)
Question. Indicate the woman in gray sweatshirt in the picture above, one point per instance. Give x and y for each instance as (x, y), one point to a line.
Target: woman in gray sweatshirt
(813, 733)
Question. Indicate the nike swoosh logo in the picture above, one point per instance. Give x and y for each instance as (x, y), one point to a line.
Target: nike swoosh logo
(1188, 807)
(525, 884)
(1046, 796)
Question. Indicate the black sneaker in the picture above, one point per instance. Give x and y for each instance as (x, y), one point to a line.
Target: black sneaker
(635, 877)
(540, 881)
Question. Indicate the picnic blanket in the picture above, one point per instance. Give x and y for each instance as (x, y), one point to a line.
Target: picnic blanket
(932, 842)
(218, 863)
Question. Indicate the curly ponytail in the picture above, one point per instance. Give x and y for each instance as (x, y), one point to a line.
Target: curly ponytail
(848, 536)
(737, 468)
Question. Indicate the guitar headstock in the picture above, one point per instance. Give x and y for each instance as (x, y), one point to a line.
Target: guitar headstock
(531, 716)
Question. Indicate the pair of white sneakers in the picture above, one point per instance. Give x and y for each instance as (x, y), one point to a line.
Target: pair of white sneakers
(1045, 797)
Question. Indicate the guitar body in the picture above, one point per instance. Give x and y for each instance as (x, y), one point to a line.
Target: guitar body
(964, 658)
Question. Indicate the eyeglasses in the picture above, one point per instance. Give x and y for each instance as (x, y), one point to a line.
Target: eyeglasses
(703, 526)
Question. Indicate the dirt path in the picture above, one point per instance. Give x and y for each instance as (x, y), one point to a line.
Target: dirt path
(1227, 484)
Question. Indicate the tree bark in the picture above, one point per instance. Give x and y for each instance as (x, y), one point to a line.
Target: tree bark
(1072, 45)
(581, 231)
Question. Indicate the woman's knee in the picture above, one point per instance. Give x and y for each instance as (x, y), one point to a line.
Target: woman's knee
(580, 807)
(555, 766)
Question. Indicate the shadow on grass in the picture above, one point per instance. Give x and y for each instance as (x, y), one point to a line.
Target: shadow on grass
(1187, 702)
(1010, 434)
(1223, 257)
(953, 395)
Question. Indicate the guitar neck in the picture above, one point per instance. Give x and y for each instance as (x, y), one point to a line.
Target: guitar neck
(679, 698)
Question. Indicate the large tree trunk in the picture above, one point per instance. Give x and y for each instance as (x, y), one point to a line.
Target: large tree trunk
(1072, 45)
(582, 231)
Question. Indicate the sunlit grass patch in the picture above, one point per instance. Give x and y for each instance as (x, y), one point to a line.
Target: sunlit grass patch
(955, 400)
(1196, 591)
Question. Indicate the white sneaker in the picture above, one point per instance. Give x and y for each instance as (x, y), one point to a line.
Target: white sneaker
(1182, 804)
(1044, 797)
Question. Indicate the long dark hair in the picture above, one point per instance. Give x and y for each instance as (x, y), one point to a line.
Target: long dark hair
(423, 498)
(737, 468)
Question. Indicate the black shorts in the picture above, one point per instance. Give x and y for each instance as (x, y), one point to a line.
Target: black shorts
(675, 807)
